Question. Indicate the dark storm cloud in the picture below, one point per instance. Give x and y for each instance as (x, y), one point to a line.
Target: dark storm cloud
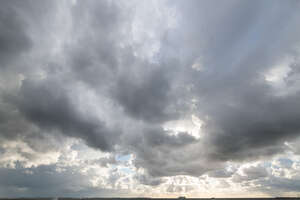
(13, 36)
(235, 48)
(141, 88)
(47, 104)
(93, 54)
(15, 127)
(268, 122)
(7, 116)
(146, 100)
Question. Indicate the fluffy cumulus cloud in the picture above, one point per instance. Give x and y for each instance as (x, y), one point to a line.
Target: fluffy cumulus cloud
(149, 98)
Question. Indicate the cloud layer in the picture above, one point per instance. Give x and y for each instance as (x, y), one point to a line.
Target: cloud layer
(162, 97)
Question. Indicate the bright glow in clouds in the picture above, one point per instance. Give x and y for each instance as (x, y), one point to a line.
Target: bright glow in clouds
(191, 126)
(280, 71)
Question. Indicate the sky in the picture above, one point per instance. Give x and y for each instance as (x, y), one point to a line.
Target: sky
(149, 98)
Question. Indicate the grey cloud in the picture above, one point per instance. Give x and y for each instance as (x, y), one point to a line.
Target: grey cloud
(221, 173)
(260, 178)
(256, 172)
(175, 188)
(46, 181)
(251, 173)
(155, 137)
(185, 156)
(223, 184)
(103, 161)
(276, 186)
(148, 180)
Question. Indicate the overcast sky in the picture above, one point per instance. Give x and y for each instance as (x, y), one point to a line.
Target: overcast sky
(150, 98)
